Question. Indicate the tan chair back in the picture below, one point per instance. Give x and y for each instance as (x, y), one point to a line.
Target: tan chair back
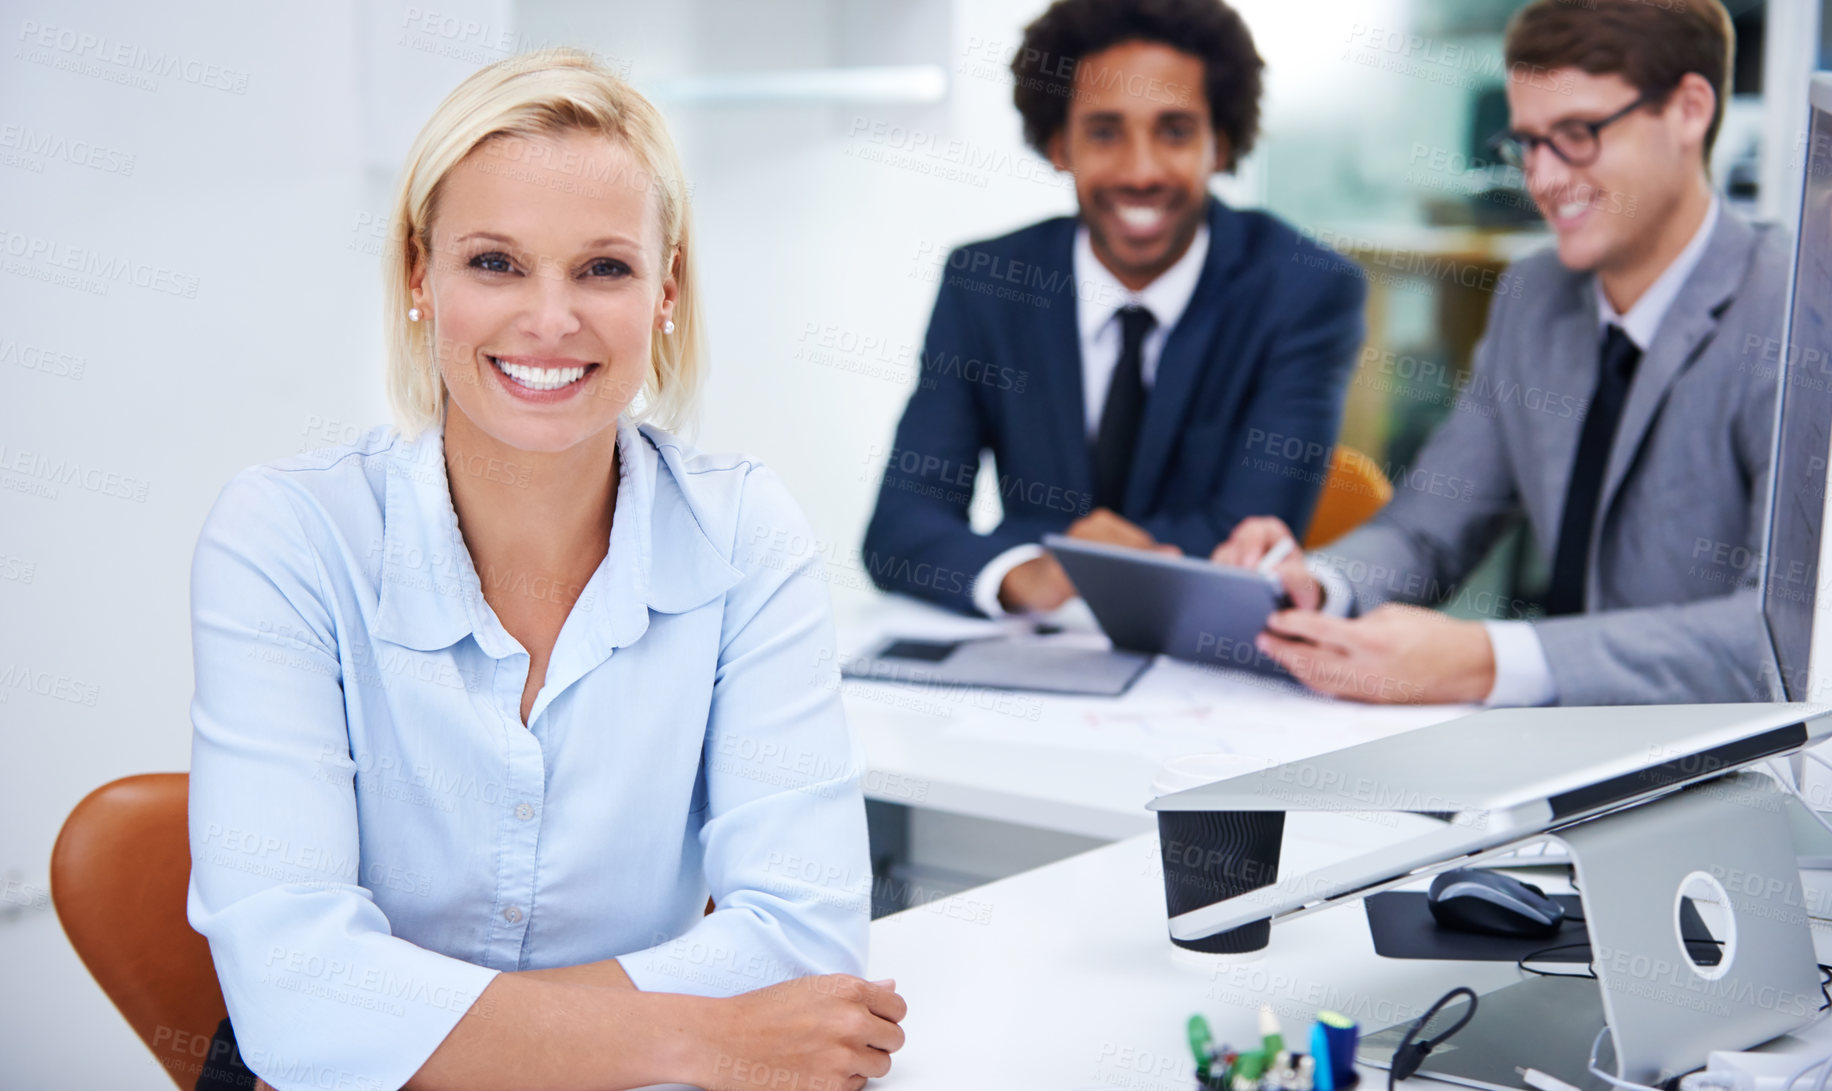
(119, 875)
(1354, 492)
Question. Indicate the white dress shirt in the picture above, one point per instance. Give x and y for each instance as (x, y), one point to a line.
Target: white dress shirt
(1522, 676)
(1099, 298)
(375, 834)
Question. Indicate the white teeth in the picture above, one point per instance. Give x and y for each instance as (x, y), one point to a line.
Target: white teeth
(1141, 217)
(540, 378)
(1571, 209)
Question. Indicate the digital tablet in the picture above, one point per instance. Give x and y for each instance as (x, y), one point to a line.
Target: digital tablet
(1182, 607)
(1039, 664)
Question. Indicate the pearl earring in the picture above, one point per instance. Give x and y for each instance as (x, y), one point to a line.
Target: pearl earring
(668, 326)
(413, 314)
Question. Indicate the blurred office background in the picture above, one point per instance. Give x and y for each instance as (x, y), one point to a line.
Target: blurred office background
(192, 202)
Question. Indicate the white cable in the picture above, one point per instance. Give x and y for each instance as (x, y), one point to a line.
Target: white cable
(1614, 1081)
(1818, 1062)
(1825, 1069)
(1788, 783)
(1811, 756)
(1782, 774)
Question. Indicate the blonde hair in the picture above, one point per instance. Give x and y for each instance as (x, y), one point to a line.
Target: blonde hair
(546, 92)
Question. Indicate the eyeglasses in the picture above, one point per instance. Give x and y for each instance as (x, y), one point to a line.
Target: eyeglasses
(1574, 141)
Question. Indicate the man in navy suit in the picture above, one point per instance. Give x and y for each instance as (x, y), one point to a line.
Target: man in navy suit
(1141, 372)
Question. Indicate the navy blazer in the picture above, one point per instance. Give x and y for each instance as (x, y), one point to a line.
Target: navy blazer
(1240, 419)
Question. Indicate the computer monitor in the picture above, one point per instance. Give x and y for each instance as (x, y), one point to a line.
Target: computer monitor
(1794, 547)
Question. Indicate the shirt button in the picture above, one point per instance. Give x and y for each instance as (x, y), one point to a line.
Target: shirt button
(513, 914)
(523, 811)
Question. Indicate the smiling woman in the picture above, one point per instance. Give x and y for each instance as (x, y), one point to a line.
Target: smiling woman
(509, 272)
(487, 704)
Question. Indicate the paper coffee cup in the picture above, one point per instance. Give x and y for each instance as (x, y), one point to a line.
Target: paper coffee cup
(1212, 855)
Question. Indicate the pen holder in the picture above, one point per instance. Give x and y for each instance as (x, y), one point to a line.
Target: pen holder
(1209, 856)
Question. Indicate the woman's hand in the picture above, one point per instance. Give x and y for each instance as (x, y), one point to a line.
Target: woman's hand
(826, 1033)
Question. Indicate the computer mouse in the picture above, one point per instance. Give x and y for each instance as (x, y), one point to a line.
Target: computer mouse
(1474, 900)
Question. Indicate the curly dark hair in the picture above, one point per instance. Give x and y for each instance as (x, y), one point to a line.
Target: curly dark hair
(1043, 69)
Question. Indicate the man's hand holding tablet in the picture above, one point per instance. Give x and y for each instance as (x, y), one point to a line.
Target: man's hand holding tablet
(1392, 655)
(1040, 584)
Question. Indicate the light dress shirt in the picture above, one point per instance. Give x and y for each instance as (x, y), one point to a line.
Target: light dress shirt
(1522, 676)
(1099, 299)
(375, 834)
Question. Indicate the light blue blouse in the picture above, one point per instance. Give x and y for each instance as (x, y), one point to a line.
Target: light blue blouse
(375, 834)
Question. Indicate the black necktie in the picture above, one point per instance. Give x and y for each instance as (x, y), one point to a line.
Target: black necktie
(1125, 408)
(1619, 358)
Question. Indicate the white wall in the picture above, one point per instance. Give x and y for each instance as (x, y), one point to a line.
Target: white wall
(187, 286)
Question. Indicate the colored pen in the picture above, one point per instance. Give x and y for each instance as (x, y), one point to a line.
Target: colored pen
(1334, 1038)
(1202, 1044)
(1250, 1065)
(1325, 1072)
(1271, 1041)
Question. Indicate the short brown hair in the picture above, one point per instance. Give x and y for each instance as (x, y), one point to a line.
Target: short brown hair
(1650, 43)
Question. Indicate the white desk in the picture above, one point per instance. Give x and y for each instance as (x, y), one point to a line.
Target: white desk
(1081, 765)
(1063, 978)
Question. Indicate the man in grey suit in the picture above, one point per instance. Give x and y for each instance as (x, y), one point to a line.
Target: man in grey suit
(1622, 403)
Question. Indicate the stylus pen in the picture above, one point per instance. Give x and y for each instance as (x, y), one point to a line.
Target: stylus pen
(1276, 554)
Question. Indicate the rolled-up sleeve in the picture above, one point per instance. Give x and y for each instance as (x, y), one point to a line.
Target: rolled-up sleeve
(783, 838)
(319, 991)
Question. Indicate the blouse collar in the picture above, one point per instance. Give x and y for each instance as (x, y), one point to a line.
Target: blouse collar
(659, 555)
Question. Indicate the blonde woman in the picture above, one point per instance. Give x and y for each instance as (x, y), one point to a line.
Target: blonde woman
(488, 704)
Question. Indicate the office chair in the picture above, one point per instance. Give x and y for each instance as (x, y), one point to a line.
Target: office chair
(119, 875)
(119, 872)
(1353, 493)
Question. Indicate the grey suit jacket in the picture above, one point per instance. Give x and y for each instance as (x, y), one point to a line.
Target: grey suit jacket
(1671, 609)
